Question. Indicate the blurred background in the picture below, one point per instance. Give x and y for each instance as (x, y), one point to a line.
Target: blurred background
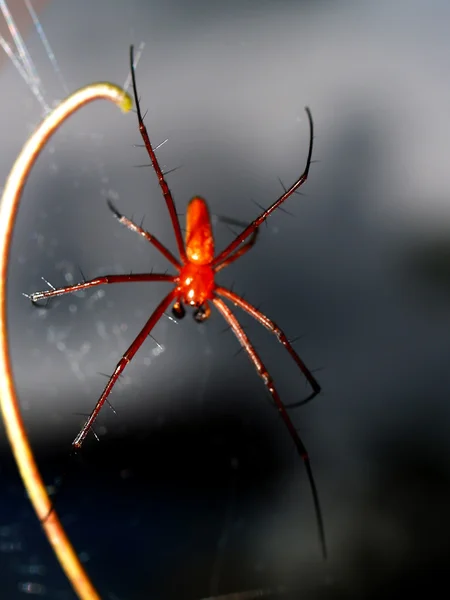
(195, 489)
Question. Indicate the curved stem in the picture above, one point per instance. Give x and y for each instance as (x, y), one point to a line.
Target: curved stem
(9, 402)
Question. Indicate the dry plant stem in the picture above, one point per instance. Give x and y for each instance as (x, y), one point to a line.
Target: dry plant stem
(8, 399)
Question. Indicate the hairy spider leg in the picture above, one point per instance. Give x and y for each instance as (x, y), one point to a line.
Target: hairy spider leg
(137, 343)
(238, 253)
(268, 382)
(162, 182)
(104, 280)
(126, 358)
(128, 223)
(263, 216)
(279, 334)
(195, 286)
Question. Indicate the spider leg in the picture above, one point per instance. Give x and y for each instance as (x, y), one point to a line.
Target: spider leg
(162, 182)
(46, 294)
(273, 328)
(263, 216)
(242, 250)
(148, 236)
(264, 374)
(126, 358)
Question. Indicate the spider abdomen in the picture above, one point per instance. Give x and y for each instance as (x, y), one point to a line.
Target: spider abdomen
(199, 237)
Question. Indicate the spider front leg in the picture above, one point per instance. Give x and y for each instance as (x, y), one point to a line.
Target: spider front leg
(160, 175)
(128, 223)
(240, 252)
(264, 374)
(250, 229)
(104, 280)
(280, 335)
(126, 358)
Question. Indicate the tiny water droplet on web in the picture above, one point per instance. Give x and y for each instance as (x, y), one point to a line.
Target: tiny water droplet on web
(84, 557)
(31, 587)
(10, 546)
(32, 569)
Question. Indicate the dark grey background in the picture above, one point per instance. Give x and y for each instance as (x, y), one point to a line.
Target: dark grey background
(195, 488)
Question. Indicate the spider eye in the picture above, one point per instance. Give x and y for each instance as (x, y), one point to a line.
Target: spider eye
(178, 310)
(202, 313)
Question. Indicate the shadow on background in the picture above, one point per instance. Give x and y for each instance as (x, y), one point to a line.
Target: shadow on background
(170, 512)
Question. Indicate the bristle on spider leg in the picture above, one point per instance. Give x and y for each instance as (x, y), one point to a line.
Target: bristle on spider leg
(159, 145)
(261, 207)
(282, 184)
(91, 427)
(296, 338)
(83, 278)
(48, 283)
(154, 149)
(282, 208)
(169, 171)
(286, 212)
(107, 401)
(228, 226)
(120, 376)
(160, 346)
(317, 369)
(241, 348)
(170, 318)
(36, 297)
(111, 406)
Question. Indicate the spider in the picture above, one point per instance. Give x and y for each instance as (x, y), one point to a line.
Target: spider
(195, 287)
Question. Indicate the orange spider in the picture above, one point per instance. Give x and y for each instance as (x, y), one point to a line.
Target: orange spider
(195, 286)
